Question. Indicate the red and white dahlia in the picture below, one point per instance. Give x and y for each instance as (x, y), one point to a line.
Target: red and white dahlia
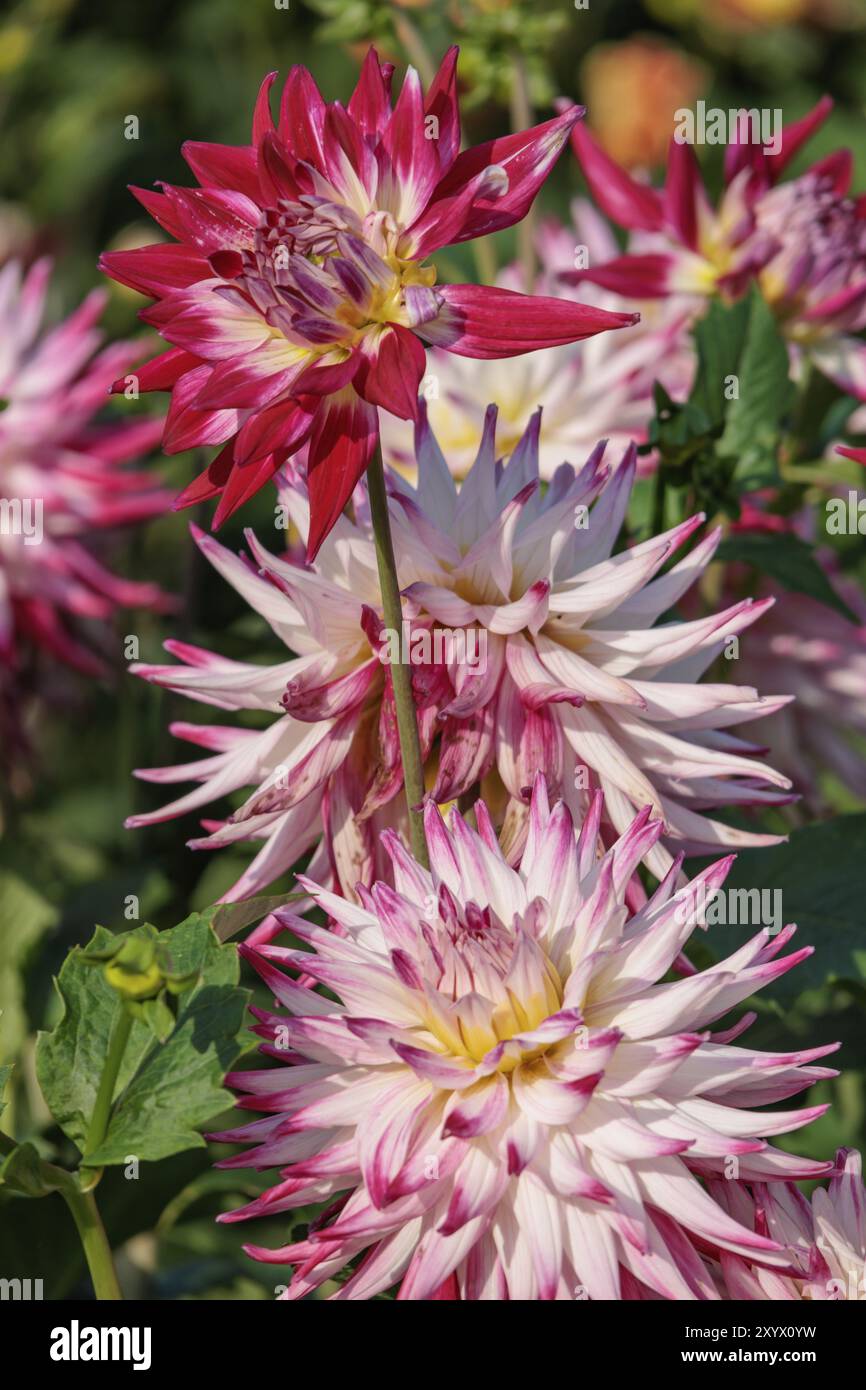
(803, 241)
(825, 1238)
(60, 475)
(503, 1101)
(572, 672)
(297, 297)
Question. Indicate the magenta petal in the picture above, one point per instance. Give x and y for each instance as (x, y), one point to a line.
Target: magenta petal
(391, 371)
(281, 427)
(482, 321)
(641, 276)
(370, 102)
(156, 270)
(344, 435)
(302, 118)
(525, 160)
(629, 203)
(683, 188)
(412, 156)
(223, 166)
(442, 103)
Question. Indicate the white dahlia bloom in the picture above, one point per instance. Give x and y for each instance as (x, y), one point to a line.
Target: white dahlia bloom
(555, 658)
(825, 1237)
(503, 1100)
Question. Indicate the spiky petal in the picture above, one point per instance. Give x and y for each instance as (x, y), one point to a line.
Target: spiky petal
(502, 1094)
(61, 476)
(296, 297)
(551, 655)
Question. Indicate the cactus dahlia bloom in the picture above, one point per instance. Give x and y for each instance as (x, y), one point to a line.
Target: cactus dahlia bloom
(601, 388)
(581, 679)
(60, 479)
(503, 1101)
(330, 760)
(561, 666)
(682, 244)
(803, 242)
(298, 297)
(819, 657)
(825, 1238)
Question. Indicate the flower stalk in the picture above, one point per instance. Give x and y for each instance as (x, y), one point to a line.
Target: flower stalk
(521, 117)
(94, 1243)
(401, 675)
(98, 1126)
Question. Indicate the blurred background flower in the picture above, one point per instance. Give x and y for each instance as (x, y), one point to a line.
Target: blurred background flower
(632, 89)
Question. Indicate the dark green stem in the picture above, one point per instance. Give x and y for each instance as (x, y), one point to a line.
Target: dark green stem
(401, 675)
(658, 522)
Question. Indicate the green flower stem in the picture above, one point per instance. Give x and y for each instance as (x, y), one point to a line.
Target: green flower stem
(658, 521)
(485, 259)
(94, 1241)
(98, 1126)
(521, 119)
(401, 675)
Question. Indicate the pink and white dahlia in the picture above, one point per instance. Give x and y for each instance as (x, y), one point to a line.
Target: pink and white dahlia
(297, 296)
(503, 1101)
(825, 1238)
(580, 677)
(544, 651)
(61, 478)
(819, 657)
(601, 388)
(803, 242)
(329, 762)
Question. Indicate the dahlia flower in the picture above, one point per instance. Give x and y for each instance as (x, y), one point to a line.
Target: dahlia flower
(61, 479)
(571, 674)
(818, 657)
(598, 389)
(502, 1101)
(330, 759)
(297, 298)
(803, 242)
(825, 1238)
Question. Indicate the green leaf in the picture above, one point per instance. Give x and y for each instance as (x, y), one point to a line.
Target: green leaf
(765, 394)
(69, 1059)
(165, 1090)
(228, 919)
(5, 1073)
(787, 559)
(725, 438)
(821, 874)
(22, 1172)
(26, 917)
(719, 338)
